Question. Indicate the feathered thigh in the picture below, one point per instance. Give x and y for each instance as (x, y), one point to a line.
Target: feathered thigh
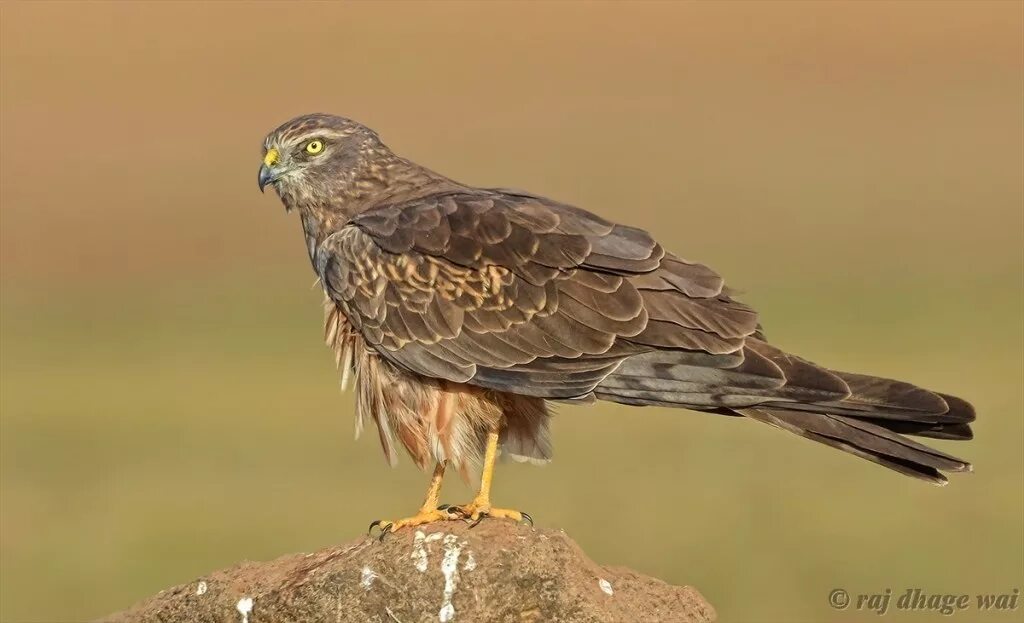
(435, 420)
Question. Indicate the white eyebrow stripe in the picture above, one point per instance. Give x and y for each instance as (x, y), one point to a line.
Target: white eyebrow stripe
(282, 139)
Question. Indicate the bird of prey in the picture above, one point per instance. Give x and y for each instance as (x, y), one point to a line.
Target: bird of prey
(460, 312)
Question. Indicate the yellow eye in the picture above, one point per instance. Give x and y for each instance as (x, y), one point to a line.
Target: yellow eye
(314, 147)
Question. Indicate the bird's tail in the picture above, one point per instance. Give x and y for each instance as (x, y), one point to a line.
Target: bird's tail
(864, 415)
(875, 439)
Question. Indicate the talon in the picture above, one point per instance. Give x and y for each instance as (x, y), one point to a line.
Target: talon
(385, 528)
(472, 513)
(526, 518)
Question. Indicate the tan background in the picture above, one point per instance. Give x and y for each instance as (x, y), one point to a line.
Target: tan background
(167, 408)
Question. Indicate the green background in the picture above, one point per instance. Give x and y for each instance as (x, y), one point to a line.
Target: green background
(167, 407)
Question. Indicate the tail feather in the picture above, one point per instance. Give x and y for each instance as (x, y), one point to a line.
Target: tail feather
(958, 432)
(863, 415)
(874, 392)
(866, 440)
(887, 399)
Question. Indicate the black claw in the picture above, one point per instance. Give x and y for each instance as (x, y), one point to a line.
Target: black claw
(526, 516)
(386, 528)
(444, 507)
(477, 521)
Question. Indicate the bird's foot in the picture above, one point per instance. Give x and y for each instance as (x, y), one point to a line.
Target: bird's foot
(474, 513)
(424, 516)
(477, 510)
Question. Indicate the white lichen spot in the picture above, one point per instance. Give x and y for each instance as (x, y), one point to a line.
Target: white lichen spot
(201, 589)
(244, 607)
(368, 577)
(419, 552)
(420, 548)
(606, 586)
(450, 570)
(470, 563)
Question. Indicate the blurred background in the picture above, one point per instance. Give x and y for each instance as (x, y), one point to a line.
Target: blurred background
(168, 407)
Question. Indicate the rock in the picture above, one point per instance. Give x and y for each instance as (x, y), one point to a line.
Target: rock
(443, 572)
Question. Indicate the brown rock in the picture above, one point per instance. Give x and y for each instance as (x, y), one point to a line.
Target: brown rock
(497, 571)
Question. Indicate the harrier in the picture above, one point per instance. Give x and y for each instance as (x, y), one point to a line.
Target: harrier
(460, 312)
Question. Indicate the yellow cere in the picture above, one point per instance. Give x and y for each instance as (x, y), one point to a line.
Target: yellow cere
(314, 147)
(271, 158)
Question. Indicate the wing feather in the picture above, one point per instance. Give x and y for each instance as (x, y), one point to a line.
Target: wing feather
(516, 293)
(488, 287)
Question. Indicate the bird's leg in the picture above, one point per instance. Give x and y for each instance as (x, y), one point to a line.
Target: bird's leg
(481, 507)
(428, 512)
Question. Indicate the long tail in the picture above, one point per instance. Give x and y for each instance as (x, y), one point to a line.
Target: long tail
(873, 442)
(864, 415)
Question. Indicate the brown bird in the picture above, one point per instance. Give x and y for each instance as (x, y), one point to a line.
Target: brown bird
(462, 311)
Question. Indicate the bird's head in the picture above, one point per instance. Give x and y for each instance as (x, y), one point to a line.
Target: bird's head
(317, 156)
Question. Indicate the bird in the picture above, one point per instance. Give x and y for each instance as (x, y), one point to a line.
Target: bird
(460, 314)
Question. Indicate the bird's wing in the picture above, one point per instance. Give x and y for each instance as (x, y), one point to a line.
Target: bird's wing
(520, 294)
(514, 292)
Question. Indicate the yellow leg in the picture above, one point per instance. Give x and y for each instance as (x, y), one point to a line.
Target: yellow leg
(474, 512)
(434, 490)
(427, 513)
(481, 507)
(483, 496)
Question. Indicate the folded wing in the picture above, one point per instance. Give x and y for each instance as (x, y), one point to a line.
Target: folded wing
(520, 294)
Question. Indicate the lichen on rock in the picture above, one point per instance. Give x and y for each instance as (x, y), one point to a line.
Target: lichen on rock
(444, 573)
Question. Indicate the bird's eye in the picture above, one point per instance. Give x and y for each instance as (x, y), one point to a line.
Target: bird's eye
(314, 147)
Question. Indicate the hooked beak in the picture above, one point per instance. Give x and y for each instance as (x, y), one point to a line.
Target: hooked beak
(268, 175)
